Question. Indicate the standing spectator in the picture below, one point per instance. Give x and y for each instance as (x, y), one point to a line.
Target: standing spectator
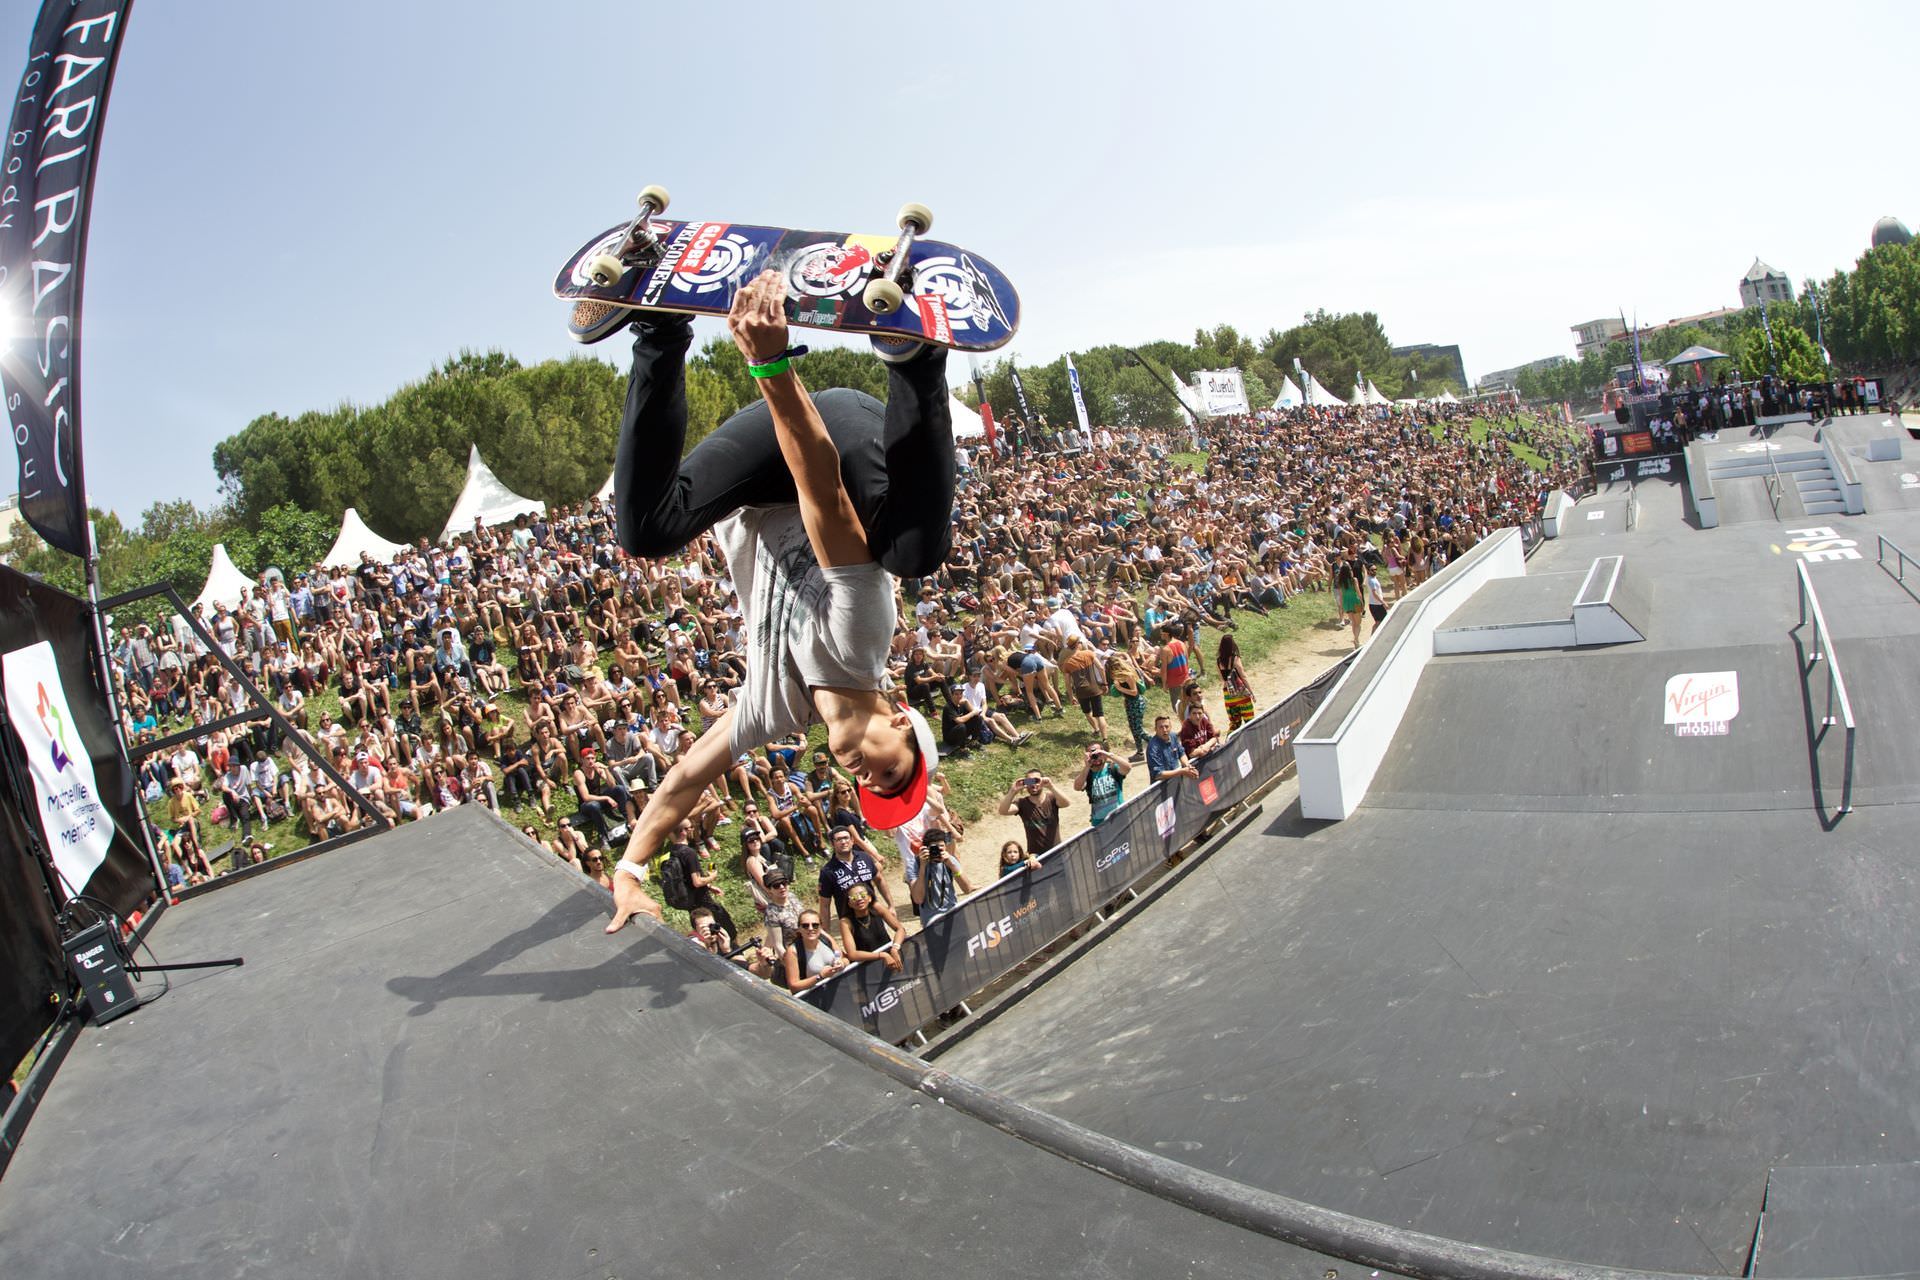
(1165, 759)
(1038, 802)
(851, 865)
(700, 877)
(1235, 686)
(1100, 776)
(934, 878)
(869, 930)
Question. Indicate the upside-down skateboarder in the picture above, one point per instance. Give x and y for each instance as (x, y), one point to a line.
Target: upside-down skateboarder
(819, 502)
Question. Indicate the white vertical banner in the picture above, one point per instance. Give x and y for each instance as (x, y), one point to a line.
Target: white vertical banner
(77, 827)
(1079, 404)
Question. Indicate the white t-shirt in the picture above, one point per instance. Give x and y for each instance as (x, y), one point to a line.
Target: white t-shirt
(807, 627)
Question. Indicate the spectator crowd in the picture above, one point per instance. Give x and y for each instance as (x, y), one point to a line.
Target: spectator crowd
(538, 670)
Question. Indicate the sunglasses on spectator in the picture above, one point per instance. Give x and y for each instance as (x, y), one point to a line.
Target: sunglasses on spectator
(809, 924)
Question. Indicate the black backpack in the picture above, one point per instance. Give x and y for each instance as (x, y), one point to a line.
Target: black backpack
(673, 885)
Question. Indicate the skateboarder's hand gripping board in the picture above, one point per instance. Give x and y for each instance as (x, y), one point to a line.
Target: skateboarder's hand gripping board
(758, 323)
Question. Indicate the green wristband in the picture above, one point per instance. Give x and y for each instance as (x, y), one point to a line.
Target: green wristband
(772, 368)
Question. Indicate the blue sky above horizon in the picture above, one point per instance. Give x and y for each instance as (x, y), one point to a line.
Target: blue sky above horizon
(298, 205)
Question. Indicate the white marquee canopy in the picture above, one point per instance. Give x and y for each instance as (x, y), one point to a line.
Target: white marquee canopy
(354, 538)
(487, 500)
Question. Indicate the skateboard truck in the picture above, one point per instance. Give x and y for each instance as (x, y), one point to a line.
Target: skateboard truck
(639, 247)
(883, 294)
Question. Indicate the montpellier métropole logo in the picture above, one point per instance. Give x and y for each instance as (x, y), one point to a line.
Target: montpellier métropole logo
(55, 726)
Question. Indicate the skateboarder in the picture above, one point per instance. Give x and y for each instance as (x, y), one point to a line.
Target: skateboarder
(818, 501)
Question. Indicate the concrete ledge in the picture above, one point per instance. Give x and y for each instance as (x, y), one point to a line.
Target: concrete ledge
(1853, 496)
(1559, 503)
(1706, 507)
(1340, 749)
(1885, 449)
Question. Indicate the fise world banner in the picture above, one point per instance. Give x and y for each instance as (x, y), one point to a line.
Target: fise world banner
(76, 825)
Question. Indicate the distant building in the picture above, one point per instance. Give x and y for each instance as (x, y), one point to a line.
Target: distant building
(1456, 367)
(1593, 335)
(1509, 379)
(1763, 283)
(1890, 230)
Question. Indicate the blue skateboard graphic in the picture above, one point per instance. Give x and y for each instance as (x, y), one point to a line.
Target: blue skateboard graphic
(876, 285)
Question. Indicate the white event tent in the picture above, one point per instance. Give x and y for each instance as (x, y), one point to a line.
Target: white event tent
(1289, 397)
(1318, 394)
(1369, 395)
(225, 582)
(487, 500)
(605, 491)
(354, 538)
(966, 422)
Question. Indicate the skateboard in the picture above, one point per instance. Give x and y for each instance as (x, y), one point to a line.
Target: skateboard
(884, 286)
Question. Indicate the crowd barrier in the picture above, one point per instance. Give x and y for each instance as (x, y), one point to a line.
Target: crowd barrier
(997, 928)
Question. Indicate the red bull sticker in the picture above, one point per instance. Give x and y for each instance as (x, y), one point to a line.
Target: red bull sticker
(933, 317)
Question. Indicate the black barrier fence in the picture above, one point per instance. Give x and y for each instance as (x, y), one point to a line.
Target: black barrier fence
(990, 932)
(32, 969)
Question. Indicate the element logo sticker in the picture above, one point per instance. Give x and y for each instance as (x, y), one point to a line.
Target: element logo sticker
(1703, 704)
(714, 257)
(829, 270)
(963, 287)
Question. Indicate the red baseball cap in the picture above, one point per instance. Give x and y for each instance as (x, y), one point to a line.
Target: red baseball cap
(884, 813)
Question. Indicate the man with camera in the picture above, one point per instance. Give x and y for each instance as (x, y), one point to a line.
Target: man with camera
(1100, 777)
(1038, 802)
(934, 878)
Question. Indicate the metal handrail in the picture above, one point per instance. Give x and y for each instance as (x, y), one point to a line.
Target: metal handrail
(1836, 683)
(1902, 560)
(1776, 487)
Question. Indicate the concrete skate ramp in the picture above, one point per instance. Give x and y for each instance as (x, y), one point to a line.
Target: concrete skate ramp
(1585, 1037)
(435, 1064)
(1743, 500)
(1604, 513)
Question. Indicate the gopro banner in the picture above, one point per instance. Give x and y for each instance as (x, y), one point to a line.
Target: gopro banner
(46, 183)
(77, 827)
(990, 932)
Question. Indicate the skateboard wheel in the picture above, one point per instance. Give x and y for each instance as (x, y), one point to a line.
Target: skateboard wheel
(917, 216)
(657, 196)
(883, 297)
(605, 270)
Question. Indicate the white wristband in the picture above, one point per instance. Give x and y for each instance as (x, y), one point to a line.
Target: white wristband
(639, 873)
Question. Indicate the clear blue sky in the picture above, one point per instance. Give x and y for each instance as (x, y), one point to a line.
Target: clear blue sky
(299, 204)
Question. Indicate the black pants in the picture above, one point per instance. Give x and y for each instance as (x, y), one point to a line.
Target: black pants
(896, 460)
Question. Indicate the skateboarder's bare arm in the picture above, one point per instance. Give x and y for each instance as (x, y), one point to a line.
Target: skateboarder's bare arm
(758, 323)
(678, 792)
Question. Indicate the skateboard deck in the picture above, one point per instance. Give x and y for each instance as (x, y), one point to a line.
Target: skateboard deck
(954, 298)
